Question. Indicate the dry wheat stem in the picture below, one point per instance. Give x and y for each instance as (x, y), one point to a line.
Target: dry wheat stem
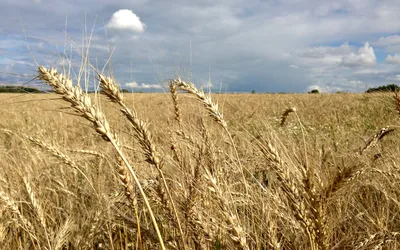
(111, 90)
(57, 153)
(62, 235)
(214, 112)
(27, 226)
(130, 193)
(376, 138)
(89, 152)
(211, 107)
(80, 101)
(305, 202)
(35, 203)
(3, 233)
(82, 104)
(380, 237)
(237, 234)
(142, 133)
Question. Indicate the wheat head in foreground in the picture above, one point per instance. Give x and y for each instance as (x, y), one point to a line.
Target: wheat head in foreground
(81, 102)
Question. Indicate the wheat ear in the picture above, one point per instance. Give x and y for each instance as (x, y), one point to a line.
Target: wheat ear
(81, 102)
(236, 232)
(174, 96)
(213, 111)
(142, 133)
(376, 138)
(35, 203)
(206, 100)
(27, 226)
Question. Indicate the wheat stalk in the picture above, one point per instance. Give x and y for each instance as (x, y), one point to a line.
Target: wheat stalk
(35, 203)
(57, 153)
(213, 111)
(305, 201)
(88, 152)
(236, 232)
(376, 138)
(81, 102)
(62, 235)
(143, 135)
(377, 240)
(27, 226)
(206, 100)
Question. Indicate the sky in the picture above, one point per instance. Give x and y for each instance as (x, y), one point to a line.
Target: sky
(227, 45)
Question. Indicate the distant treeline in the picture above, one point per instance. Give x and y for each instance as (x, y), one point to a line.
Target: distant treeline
(386, 88)
(19, 89)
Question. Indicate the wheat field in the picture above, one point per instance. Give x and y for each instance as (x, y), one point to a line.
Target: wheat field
(188, 170)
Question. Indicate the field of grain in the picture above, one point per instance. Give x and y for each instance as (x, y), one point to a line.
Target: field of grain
(177, 171)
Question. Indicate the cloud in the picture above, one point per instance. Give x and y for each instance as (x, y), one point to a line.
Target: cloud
(388, 41)
(324, 51)
(132, 84)
(149, 86)
(355, 82)
(342, 84)
(247, 45)
(323, 58)
(126, 20)
(319, 88)
(395, 78)
(364, 57)
(136, 85)
(324, 88)
(324, 67)
(391, 44)
(395, 59)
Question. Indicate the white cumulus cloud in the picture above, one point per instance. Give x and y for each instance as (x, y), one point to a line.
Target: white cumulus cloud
(143, 85)
(132, 84)
(324, 88)
(324, 51)
(355, 82)
(149, 86)
(126, 20)
(395, 59)
(364, 57)
(341, 84)
(388, 40)
(319, 88)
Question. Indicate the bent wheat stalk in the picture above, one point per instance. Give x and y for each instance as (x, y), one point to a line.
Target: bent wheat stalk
(81, 102)
(211, 107)
(376, 138)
